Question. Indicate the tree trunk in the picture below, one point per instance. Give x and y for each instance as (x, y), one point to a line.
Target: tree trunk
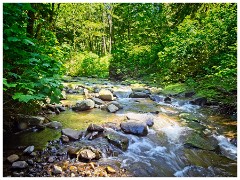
(30, 25)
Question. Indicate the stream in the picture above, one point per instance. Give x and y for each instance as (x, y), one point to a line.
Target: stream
(164, 152)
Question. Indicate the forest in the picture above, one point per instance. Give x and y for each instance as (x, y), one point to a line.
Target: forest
(178, 47)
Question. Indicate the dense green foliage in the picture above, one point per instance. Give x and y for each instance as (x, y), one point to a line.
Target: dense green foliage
(192, 44)
(31, 66)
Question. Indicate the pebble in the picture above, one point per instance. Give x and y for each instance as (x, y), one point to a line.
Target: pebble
(29, 150)
(57, 169)
(51, 159)
(33, 154)
(19, 165)
(30, 162)
(13, 158)
(73, 168)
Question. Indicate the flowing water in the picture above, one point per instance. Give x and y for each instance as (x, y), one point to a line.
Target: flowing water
(163, 152)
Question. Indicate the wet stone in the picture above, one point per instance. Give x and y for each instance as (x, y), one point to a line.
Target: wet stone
(136, 128)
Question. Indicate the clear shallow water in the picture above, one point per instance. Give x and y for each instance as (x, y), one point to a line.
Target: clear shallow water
(162, 152)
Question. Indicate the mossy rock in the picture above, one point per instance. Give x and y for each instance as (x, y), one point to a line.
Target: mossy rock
(196, 126)
(195, 140)
(117, 140)
(189, 117)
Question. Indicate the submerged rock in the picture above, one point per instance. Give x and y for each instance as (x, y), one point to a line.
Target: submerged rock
(13, 158)
(19, 165)
(167, 99)
(74, 134)
(116, 139)
(139, 95)
(84, 105)
(134, 127)
(195, 140)
(106, 95)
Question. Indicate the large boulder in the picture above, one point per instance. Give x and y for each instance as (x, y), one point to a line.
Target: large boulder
(116, 103)
(144, 118)
(139, 95)
(84, 105)
(116, 139)
(134, 127)
(74, 134)
(106, 95)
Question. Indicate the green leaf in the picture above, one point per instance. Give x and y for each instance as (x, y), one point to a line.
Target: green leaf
(27, 42)
(13, 39)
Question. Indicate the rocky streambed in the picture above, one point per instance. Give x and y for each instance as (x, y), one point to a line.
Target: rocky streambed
(108, 129)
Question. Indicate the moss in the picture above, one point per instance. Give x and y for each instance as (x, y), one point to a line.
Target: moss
(39, 139)
(81, 120)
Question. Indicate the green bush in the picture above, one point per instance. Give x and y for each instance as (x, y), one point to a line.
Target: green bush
(87, 64)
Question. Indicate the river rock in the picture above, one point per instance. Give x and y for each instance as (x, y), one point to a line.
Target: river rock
(60, 107)
(112, 108)
(110, 170)
(199, 101)
(57, 169)
(189, 94)
(139, 95)
(156, 98)
(74, 134)
(29, 150)
(31, 120)
(89, 153)
(19, 165)
(167, 99)
(98, 101)
(189, 117)
(115, 103)
(84, 105)
(195, 140)
(55, 125)
(13, 158)
(116, 139)
(94, 127)
(145, 118)
(106, 95)
(134, 127)
(65, 138)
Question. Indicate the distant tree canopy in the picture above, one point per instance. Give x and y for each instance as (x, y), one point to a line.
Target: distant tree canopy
(194, 43)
